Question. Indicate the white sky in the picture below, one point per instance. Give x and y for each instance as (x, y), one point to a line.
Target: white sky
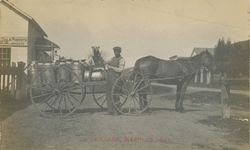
(162, 28)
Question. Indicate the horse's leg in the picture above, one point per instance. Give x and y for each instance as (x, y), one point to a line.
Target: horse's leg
(178, 92)
(143, 96)
(143, 100)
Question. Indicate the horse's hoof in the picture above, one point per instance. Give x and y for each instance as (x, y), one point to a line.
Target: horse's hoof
(181, 110)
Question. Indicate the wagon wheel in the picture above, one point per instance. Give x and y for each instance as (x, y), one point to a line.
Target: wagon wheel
(136, 93)
(54, 96)
(99, 96)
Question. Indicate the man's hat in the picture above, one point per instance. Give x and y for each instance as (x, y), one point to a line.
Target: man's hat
(117, 48)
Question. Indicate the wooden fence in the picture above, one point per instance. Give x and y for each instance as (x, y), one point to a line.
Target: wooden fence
(226, 99)
(12, 81)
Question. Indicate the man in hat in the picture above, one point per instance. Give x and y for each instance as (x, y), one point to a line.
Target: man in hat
(114, 69)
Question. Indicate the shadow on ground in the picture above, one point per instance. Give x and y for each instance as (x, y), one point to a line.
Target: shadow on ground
(90, 110)
(238, 130)
(9, 106)
(149, 111)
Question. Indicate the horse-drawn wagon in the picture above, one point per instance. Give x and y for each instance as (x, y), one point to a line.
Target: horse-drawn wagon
(59, 88)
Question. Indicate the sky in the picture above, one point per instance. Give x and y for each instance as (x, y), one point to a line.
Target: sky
(161, 28)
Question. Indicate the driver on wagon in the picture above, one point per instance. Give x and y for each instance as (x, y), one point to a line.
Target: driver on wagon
(114, 69)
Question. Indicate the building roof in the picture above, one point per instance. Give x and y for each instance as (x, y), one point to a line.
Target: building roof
(245, 45)
(198, 50)
(45, 44)
(24, 15)
(173, 57)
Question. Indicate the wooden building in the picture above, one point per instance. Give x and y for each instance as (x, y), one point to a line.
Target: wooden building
(22, 39)
(203, 75)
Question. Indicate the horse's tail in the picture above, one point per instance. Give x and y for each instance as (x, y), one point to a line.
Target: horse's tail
(136, 69)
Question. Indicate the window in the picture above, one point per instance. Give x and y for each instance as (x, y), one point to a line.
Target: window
(4, 57)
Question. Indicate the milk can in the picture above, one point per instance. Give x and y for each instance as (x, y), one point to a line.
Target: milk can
(36, 73)
(63, 72)
(76, 74)
(49, 73)
(97, 75)
(86, 76)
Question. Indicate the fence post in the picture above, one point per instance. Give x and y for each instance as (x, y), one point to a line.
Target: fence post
(21, 86)
(196, 77)
(208, 77)
(201, 75)
(225, 98)
(13, 81)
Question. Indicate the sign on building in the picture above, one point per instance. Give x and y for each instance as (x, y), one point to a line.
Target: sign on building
(14, 41)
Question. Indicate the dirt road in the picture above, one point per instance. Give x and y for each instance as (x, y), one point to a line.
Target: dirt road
(93, 129)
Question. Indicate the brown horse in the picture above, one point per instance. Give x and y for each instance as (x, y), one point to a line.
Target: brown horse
(179, 72)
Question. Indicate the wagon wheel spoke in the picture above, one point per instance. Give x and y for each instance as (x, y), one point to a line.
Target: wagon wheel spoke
(73, 88)
(135, 107)
(127, 87)
(101, 98)
(50, 105)
(134, 104)
(69, 99)
(119, 94)
(74, 97)
(56, 103)
(59, 104)
(65, 103)
(122, 100)
(117, 86)
(123, 97)
(142, 86)
(137, 101)
(42, 95)
(72, 103)
(61, 84)
(73, 94)
(76, 93)
(135, 81)
(137, 85)
(44, 102)
(67, 85)
(129, 106)
(40, 88)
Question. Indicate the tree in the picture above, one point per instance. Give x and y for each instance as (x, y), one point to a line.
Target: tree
(232, 59)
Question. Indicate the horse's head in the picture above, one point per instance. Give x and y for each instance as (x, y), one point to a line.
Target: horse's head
(97, 56)
(96, 51)
(207, 60)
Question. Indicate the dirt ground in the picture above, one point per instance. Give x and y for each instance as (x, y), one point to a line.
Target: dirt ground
(91, 128)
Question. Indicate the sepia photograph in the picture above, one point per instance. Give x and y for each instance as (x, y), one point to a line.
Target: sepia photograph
(124, 74)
